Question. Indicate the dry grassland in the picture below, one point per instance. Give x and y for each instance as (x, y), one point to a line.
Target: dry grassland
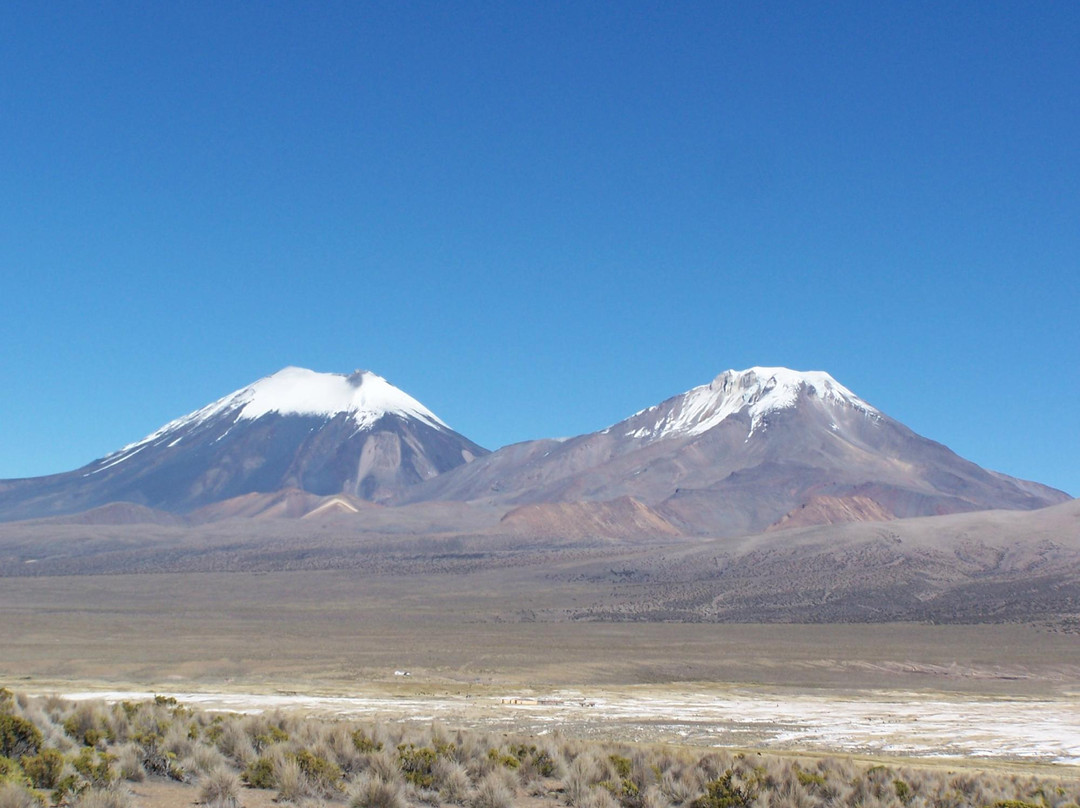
(338, 631)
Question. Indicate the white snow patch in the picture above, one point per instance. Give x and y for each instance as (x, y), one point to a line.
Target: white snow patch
(757, 391)
(364, 395)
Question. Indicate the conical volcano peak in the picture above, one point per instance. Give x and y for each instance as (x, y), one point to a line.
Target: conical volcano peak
(756, 391)
(297, 429)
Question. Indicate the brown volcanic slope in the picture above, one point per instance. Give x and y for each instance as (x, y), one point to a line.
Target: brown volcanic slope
(989, 566)
(739, 455)
(827, 510)
(623, 518)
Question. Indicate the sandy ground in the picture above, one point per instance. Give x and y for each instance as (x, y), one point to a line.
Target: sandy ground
(906, 724)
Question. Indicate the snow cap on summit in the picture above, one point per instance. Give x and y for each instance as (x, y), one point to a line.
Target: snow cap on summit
(365, 396)
(298, 391)
(757, 390)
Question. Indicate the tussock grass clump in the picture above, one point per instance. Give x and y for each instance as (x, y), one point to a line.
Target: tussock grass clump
(220, 789)
(13, 795)
(292, 784)
(372, 791)
(129, 763)
(204, 759)
(109, 797)
(492, 792)
(452, 780)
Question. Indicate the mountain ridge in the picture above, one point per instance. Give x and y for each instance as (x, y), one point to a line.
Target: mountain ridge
(751, 450)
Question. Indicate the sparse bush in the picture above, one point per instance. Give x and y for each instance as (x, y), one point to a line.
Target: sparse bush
(109, 797)
(129, 763)
(582, 775)
(292, 785)
(681, 785)
(599, 798)
(492, 792)
(203, 759)
(452, 780)
(220, 789)
(655, 798)
(235, 744)
(385, 764)
(372, 791)
(13, 795)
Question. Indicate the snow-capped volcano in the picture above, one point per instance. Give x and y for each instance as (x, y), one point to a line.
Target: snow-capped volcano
(323, 433)
(757, 391)
(361, 396)
(752, 449)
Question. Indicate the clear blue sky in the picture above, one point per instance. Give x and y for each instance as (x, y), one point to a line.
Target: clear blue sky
(538, 218)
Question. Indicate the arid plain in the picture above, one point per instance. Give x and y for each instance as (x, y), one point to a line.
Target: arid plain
(498, 647)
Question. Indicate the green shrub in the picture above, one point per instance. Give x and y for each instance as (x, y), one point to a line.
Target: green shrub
(810, 779)
(260, 774)
(69, 787)
(18, 737)
(722, 793)
(418, 764)
(95, 767)
(364, 743)
(903, 790)
(272, 736)
(622, 765)
(500, 759)
(44, 768)
(324, 775)
(626, 791)
(539, 759)
(12, 772)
